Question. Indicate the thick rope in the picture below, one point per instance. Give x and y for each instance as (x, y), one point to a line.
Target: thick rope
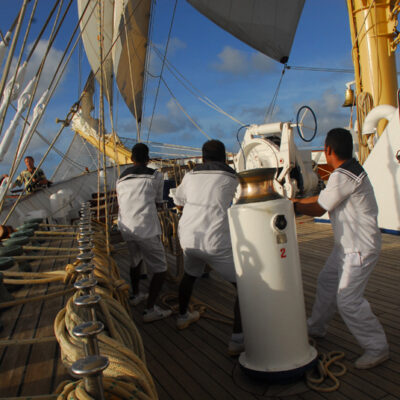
(323, 378)
(365, 104)
(127, 359)
(113, 388)
(127, 375)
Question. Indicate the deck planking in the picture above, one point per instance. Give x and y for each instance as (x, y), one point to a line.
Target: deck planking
(206, 341)
(33, 369)
(193, 363)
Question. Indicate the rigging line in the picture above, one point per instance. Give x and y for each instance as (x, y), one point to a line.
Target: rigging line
(51, 93)
(204, 99)
(59, 152)
(317, 69)
(131, 77)
(162, 68)
(80, 54)
(13, 45)
(70, 40)
(14, 23)
(354, 46)
(39, 165)
(183, 110)
(72, 113)
(101, 124)
(147, 60)
(363, 24)
(40, 69)
(59, 66)
(21, 53)
(114, 41)
(271, 106)
(43, 29)
(38, 75)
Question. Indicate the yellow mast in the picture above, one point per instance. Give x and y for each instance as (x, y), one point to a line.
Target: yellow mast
(373, 26)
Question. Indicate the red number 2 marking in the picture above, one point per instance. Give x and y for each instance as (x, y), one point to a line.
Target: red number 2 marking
(283, 253)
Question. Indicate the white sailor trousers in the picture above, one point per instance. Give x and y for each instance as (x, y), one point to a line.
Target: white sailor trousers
(341, 283)
(151, 250)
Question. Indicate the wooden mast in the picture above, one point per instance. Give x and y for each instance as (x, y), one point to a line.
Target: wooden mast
(373, 27)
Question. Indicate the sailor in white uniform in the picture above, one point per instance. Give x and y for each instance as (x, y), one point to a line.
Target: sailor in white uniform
(139, 188)
(349, 198)
(205, 194)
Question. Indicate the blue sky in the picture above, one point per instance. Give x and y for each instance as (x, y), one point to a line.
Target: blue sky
(234, 76)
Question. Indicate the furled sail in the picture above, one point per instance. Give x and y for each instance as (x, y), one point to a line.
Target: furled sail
(90, 28)
(268, 26)
(131, 24)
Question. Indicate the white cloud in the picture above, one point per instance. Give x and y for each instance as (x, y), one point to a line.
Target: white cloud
(173, 121)
(50, 66)
(155, 60)
(175, 44)
(238, 62)
(233, 61)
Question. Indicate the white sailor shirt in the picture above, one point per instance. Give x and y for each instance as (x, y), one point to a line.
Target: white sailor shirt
(350, 200)
(139, 188)
(206, 193)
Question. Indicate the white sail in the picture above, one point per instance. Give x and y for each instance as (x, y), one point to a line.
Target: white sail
(268, 26)
(90, 36)
(23, 102)
(36, 116)
(131, 24)
(16, 86)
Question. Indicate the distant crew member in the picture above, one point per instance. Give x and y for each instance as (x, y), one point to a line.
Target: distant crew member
(349, 198)
(139, 189)
(205, 194)
(38, 177)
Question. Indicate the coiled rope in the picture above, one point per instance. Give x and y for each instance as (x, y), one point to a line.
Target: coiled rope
(113, 389)
(120, 342)
(323, 378)
(127, 376)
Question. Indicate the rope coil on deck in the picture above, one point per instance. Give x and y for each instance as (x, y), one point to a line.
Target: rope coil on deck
(322, 378)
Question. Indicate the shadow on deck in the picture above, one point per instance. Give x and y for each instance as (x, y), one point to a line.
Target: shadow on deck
(194, 364)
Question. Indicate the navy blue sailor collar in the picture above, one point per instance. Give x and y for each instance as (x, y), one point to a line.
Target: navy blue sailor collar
(353, 169)
(214, 166)
(137, 170)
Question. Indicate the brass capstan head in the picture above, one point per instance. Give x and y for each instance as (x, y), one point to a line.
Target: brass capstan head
(349, 98)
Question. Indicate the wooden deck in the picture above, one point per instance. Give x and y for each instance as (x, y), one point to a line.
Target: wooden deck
(193, 363)
(26, 369)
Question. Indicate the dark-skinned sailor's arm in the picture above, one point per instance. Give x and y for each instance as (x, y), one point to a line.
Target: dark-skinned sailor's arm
(308, 206)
